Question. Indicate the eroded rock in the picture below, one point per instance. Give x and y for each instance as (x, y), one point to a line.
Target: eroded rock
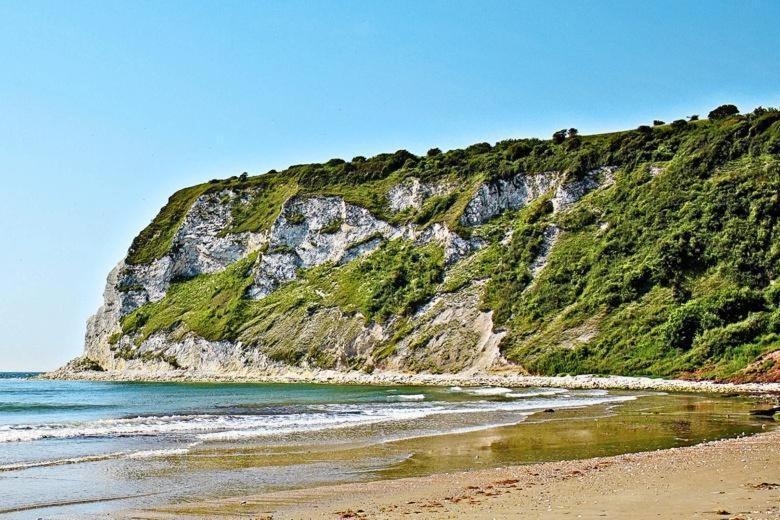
(312, 231)
(199, 246)
(412, 193)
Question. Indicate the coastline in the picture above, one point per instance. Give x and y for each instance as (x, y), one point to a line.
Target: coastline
(289, 375)
(736, 478)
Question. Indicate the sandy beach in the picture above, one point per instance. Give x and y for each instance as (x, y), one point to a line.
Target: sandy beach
(734, 478)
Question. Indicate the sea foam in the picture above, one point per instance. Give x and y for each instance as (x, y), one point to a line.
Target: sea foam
(215, 427)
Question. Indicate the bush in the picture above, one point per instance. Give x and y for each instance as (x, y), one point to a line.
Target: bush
(723, 111)
(518, 150)
(759, 111)
(332, 227)
(694, 318)
(479, 148)
(433, 152)
(718, 341)
(397, 161)
(573, 142)
(435, 206)
(685, 323)
(679, 124)
(394, 280)
(295, 219)
(658, 122)
(772, 294)
(559, 136)
(694, 117)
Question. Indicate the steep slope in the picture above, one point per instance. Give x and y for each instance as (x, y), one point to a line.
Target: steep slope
(652, 251)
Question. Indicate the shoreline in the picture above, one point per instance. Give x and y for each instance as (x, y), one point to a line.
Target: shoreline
(579, 382)
(737, 478)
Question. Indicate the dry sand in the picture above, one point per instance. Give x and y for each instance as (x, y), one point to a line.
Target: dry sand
(734, 478)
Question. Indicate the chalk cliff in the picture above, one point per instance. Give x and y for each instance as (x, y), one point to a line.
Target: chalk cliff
(625, 253)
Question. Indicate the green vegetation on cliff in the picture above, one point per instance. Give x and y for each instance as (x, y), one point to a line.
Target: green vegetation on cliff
(669, 270)
(659, 275)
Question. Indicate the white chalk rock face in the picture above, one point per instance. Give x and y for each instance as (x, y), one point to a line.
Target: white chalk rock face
(197, 354)
(493, 198)
(455, 247)
(199, 246)
(312, 231)
(105, 322)
(412, 193)
(570, 192)
(272, 270)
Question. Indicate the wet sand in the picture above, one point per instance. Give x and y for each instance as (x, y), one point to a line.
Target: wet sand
(733, 478)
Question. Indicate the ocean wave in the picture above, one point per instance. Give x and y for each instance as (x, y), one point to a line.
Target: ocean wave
(212, 427)
(537, 393)
(593, 393)
(40, 407)
(144, 454)
(135, 426)
(343, 417)
(406, 397)
(489, 391)
(60, 462)
(148, 454)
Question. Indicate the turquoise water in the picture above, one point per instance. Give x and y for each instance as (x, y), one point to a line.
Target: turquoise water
(70, 449)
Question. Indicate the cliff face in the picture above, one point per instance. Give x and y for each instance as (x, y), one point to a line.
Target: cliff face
(596, 254)
(310, 232)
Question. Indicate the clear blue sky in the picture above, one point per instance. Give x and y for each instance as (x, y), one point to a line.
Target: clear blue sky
(106, 108)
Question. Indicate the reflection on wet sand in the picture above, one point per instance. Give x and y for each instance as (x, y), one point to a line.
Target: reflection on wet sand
(652, 422)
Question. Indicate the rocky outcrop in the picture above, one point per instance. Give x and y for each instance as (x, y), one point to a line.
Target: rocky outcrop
(412, 193)
(306, 235)
(312, 231)
(451, 334)
(105, 322)
(567, 193)
(455, 247)
(161, 353)
(200, 245)
(493, 198)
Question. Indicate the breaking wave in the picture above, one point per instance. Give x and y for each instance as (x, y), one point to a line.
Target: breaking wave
(406, 397)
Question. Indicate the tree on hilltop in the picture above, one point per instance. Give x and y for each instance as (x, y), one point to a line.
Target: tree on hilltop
(723, 111)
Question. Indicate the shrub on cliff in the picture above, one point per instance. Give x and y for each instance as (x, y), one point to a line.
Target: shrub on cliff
(723, 111)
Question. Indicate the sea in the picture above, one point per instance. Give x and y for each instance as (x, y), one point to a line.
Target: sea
(77, 449)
